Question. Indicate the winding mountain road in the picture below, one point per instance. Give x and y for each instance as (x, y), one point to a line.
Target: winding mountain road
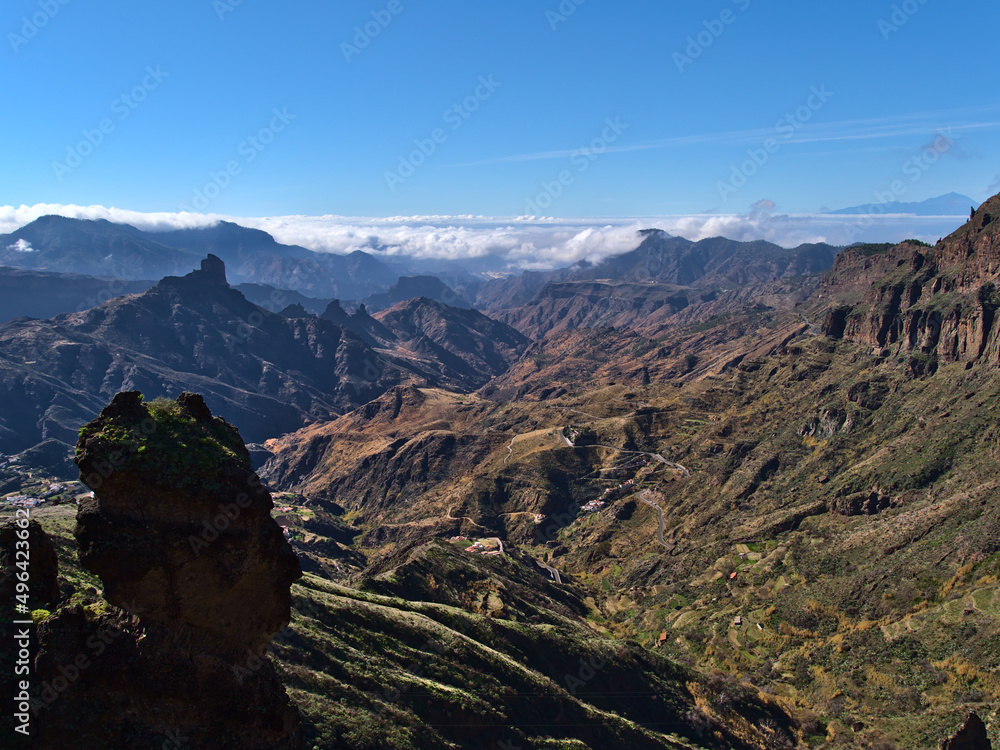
(659, 512)
(450, 517)
(577, 411)
(510, 449)
(644, 495)
(549, 569)
(657, 456)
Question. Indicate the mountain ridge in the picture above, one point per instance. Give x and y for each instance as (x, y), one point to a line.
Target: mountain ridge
(949, 204)
(102, 248)
(269, 373)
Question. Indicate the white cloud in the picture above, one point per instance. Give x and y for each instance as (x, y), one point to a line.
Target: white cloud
(13, 218)
(518, 242)
(790, 230)
(21, 246)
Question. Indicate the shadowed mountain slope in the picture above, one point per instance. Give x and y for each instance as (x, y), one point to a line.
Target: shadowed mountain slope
(411, 287)
(41, 294)
(94, 248)
(268, 374)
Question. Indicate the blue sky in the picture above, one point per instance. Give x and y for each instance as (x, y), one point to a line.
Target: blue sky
(267, 109)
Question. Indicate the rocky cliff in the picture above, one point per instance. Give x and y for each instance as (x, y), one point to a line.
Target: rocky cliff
(196, 578)
(931, 303)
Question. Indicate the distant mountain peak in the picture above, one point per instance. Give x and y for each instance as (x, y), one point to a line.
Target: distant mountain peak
(411, 287)
(949, 204)
(97, 247)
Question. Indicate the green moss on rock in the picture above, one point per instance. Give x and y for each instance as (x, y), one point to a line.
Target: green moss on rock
(178, 442)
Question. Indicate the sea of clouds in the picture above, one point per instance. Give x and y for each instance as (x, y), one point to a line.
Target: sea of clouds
(518, 243)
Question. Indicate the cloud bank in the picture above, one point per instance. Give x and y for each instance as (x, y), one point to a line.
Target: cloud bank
(510, 244)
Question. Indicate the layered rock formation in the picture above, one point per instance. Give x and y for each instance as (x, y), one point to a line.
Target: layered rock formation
(198, 575)
(938, 302)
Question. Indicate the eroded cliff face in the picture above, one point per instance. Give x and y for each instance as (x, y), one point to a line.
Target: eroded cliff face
(198, 577)
(933, 303)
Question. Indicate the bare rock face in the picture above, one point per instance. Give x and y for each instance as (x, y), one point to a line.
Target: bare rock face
(179, 531)
(972, 736)
(936, 302)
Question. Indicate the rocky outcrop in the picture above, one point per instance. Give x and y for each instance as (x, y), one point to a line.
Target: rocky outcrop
(198, 575)
(829, 422)
(336, 314)
(925, 302)
(867, 503)
(972, 736)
